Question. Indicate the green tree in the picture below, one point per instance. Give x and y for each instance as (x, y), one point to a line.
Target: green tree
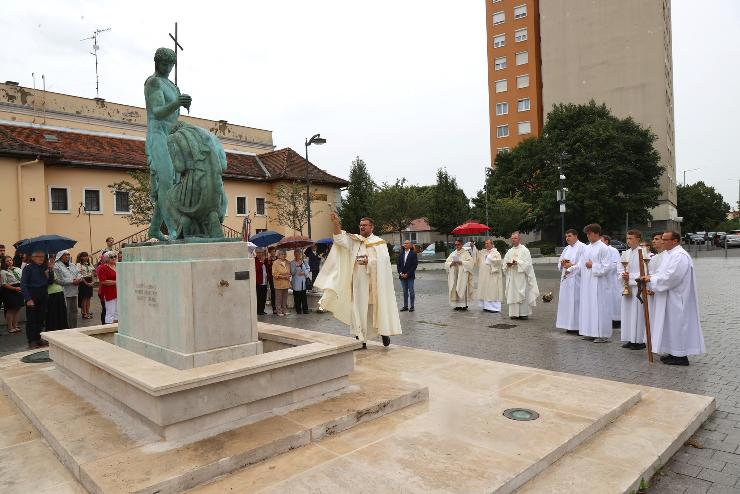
(396, 205)
(289, 203)
(449, 206)
(701, 206)
(611, 169)
(359, 199)
(505, 214)
(139, 196)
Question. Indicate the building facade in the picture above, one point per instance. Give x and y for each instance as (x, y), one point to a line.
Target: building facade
(59, 154)
(617, 53)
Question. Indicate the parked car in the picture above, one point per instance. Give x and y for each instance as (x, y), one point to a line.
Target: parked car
(733, 241)
(428, 253)
(696, 238)
(618, 244)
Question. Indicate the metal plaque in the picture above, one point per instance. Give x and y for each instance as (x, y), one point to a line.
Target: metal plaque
(241, 275)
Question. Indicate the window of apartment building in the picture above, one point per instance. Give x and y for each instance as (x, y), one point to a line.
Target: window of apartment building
(121, 203)
(496, 1)
(502, 150)
(502, 131)
(524, 128)
(499, 63)
(522, 57)
(520, 12)
(522, 104)
(501, 86)
(502, 108)
(241, 205)
(520, 35)
(522, 81)
(499, 18)
(259, 203)
(499, 41)
(59, 199)
(91, 200)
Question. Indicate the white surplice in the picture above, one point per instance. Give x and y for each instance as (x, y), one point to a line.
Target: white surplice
(521, 284)
(570, 287)
(460, 278)
(360, 295)
(632, 311)
(595, 314)
(490, 279)
(653, 267)
(615, 283)
(676, 329)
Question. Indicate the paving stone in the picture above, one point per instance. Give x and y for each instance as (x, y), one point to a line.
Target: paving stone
(718, 477)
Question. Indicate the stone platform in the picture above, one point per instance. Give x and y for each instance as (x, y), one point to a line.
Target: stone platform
(592, 436)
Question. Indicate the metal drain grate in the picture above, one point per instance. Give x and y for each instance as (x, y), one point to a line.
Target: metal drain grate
(521, 414)
(502, 326)
(37, 358)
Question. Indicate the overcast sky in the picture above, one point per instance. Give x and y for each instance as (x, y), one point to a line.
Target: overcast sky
(400, 83)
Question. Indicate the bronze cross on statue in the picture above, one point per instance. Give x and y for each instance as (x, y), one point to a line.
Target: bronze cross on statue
(177, 45)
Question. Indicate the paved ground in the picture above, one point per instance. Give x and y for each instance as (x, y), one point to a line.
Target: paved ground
(713, 468)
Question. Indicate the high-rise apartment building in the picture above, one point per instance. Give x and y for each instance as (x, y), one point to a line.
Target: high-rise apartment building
(541, 53)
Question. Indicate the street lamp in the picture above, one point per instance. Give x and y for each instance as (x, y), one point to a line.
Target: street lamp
(318, 140)
(561, 194)
(486, 171)
(684, 175)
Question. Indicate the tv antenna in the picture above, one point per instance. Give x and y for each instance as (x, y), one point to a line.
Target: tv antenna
(94, 53)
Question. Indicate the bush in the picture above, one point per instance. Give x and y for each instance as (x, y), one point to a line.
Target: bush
(546, 248)
(439, 246)
(501, 246)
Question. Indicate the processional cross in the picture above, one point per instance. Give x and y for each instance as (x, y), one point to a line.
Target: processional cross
(177, 45)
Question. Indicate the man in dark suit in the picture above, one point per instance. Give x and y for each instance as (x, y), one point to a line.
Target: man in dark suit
(407, 262)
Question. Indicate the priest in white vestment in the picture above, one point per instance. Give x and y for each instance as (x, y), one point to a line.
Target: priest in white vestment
(616, 282)
(570, 283)
(654, 265)
(675, 330)
(633, 312)
(490, 278)
(596, 304)
(460, 265)
(357, 280)
(521, 284)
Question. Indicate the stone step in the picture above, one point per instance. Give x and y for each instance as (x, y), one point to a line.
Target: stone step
(109, 452)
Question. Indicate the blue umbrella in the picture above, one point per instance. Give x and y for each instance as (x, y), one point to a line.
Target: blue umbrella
(266, 238)
(325, 241)
(47, 243)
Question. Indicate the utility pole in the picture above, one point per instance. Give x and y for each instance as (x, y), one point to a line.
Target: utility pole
(94, 53)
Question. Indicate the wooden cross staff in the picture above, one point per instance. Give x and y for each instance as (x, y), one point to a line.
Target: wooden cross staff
(177, 45)
(643, 297)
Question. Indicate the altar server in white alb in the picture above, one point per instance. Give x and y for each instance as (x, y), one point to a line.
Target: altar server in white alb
(357, 280)
(570, 283)
(633, 313)
(616, 282)
(521, 285)
(490, 278)
(596, 304)
(460, 266)
(675, 329)
(654, 265)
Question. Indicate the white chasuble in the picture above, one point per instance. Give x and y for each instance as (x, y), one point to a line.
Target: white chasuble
(676, 329)
(570, 287)
(595, 310)
(632, 311)
(521, 284)
(460, 277)
(360, 295)
(490, 280)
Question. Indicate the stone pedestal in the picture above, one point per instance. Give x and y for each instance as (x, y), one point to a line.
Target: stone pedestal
(188, 305)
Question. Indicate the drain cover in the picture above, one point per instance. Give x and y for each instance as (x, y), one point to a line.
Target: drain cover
(522, 414)
(37, 358)
(502, 326)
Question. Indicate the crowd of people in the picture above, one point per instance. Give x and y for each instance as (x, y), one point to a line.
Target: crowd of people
(55, 291)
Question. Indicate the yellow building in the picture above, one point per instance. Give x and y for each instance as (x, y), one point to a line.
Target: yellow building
(59, 154)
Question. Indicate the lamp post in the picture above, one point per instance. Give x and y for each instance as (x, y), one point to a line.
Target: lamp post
(318, 140)
(486, 171)
(684, 175)
(561, 195)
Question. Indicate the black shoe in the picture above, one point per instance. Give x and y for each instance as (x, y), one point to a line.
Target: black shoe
(627, 345)
(464, 308)
(386, 340)
(663, 358)
(411, 309)
(684, 361)
(262, 313)
(571, 331)
(404, 309)
(616, 324)
(638, 346)
(523, 318)
(364, 346)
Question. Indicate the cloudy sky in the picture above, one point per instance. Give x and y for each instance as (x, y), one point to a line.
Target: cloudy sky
(400, 83)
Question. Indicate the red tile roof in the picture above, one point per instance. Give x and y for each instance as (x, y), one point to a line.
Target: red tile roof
(419, 225)
(79, 149)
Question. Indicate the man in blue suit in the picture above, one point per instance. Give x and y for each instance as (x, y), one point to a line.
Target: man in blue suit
(407, 262)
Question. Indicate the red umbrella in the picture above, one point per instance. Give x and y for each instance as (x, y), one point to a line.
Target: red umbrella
(294, 242)
(470, 228)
